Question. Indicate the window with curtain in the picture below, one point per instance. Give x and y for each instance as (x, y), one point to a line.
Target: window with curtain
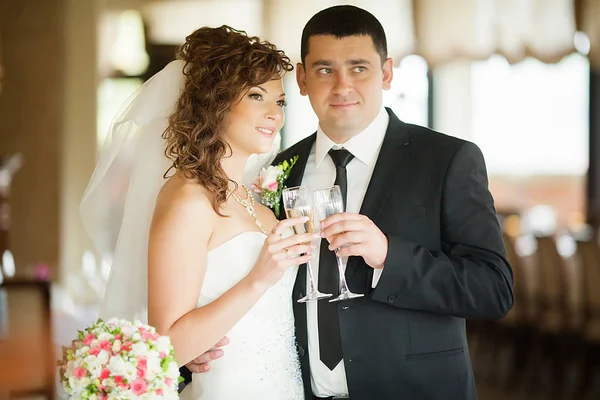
(122, 60)
(531, 118)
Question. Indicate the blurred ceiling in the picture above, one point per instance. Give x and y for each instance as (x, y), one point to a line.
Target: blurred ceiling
(438, 30)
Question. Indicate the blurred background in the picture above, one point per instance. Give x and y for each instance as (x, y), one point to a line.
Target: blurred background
(520, 78)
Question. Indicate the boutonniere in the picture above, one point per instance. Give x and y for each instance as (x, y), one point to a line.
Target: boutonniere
(270, 183)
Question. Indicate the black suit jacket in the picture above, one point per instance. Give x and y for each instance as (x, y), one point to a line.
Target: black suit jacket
(446, 262)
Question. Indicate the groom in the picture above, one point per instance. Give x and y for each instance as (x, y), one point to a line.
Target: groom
(420, 231)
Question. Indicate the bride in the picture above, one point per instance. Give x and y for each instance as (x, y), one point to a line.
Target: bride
(194, 252)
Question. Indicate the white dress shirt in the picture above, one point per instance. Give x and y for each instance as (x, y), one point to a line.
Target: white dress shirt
(319, 173)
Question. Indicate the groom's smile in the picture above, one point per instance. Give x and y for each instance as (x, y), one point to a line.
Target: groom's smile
(344, 106)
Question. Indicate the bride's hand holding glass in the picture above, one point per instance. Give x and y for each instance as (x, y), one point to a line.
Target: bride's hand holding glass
(280, 252)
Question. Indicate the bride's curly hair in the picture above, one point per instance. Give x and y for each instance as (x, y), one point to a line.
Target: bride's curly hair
(221, 64)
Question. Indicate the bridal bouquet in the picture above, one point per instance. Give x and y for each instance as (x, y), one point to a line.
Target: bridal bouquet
(119, 359)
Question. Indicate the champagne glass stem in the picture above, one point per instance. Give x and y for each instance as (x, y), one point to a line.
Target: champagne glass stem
(313, 293)
(313, 286)
(341, 263)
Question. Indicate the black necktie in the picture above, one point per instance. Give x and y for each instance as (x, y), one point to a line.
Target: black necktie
(330, 346)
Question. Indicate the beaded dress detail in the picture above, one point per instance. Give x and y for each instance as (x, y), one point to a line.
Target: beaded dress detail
(261, 361)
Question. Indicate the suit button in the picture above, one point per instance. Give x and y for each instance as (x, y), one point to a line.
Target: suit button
(391, 298)
(345, 307)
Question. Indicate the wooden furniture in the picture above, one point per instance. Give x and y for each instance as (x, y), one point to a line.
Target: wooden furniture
(27, 359)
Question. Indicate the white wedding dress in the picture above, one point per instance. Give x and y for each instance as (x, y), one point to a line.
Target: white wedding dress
(260, 362)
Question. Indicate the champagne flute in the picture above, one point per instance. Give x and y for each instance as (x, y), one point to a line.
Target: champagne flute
(297, 202)
(328, 202)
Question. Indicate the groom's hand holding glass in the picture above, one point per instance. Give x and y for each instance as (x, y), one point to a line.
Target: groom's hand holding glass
(356, 235)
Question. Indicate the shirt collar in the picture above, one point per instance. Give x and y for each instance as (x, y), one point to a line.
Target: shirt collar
(364, 146)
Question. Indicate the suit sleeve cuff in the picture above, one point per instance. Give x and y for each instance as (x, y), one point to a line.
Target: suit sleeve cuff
(376, 276)
(391, 280)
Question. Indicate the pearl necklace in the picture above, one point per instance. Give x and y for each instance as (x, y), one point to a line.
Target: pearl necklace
(248, 204)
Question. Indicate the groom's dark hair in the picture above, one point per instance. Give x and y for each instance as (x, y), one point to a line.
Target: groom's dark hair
(341, 22)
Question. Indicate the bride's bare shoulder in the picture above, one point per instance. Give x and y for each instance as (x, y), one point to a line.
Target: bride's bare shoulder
(180, 194)
(183, 214)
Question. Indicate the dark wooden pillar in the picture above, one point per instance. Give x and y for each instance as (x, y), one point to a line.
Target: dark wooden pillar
(593, 177)
(32, 123)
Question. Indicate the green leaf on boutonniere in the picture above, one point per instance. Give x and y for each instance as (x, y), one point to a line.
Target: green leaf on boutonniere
(271, 181)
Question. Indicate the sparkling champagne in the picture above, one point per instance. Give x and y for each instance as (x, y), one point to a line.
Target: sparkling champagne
(308, 226)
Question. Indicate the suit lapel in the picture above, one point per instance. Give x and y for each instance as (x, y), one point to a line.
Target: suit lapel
(394, 152)
(302, 150)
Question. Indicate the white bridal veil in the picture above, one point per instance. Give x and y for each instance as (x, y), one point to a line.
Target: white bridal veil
(118, 203)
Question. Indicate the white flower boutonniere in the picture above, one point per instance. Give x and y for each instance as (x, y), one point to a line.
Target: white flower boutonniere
(270, 183)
